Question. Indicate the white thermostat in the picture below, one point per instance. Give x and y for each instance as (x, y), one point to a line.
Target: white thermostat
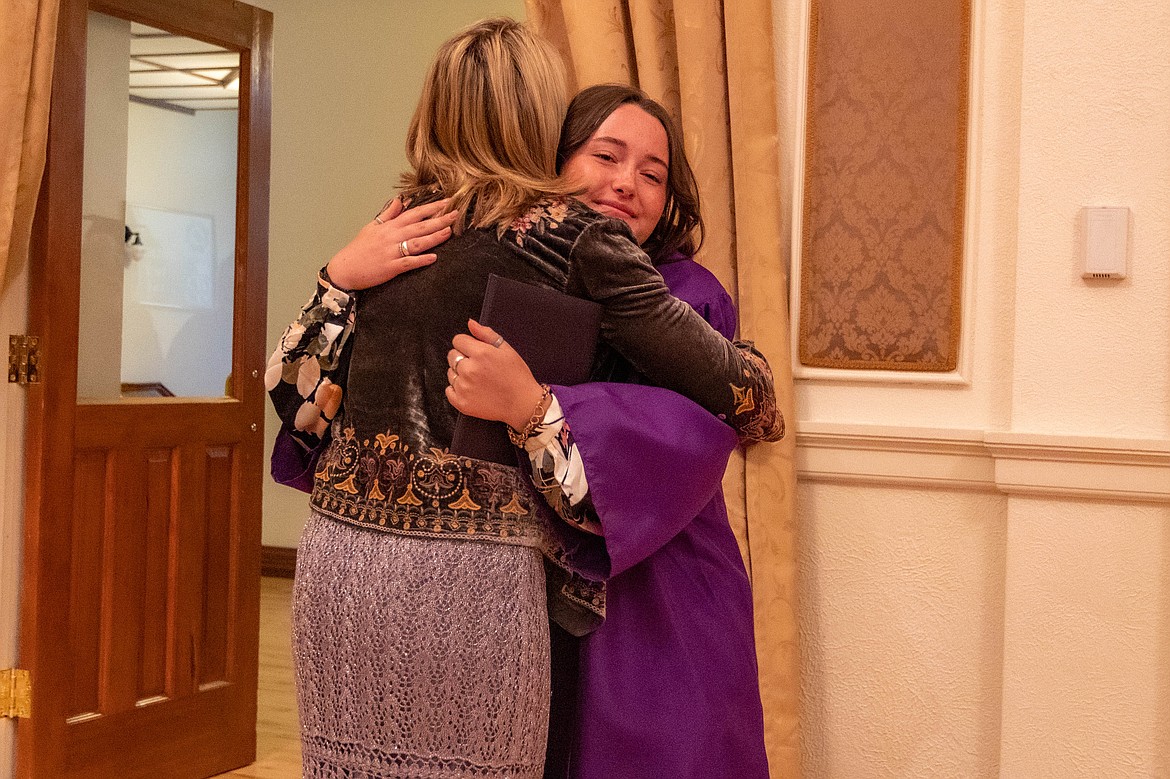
(1106, 242)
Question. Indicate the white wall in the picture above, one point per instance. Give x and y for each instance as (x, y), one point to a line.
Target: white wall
(182, 164)
(103, 208)
(346, 77)
(985, 564)
(1090, 358)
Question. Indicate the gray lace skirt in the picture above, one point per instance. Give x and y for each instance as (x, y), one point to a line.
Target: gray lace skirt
(418, 658)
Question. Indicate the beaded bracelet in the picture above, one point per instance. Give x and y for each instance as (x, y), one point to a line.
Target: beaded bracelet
(518, 437)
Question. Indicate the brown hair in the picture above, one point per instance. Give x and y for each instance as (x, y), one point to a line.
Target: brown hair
(487, 123)
(681, 219)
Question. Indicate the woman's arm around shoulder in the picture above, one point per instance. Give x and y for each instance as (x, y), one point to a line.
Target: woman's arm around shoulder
(306, 373)
(666, 339)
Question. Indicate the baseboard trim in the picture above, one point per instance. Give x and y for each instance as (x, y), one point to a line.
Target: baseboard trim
(278, 561)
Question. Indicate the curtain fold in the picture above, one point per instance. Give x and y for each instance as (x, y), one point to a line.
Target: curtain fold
(712, 65)
(28, 33)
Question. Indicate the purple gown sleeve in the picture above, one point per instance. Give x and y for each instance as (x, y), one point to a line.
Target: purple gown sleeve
(653, 458)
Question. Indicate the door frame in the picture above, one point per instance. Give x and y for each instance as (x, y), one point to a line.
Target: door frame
(13, 319)
(54, 292)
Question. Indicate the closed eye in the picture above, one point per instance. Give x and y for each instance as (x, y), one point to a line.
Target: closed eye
(604, 155)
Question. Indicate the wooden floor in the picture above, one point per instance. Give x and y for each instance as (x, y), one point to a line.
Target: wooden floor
(278, 748)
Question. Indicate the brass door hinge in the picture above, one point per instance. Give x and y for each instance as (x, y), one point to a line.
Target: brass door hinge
(24, 359)
(15, 693)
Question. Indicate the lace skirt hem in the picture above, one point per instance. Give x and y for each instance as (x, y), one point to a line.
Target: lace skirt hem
(418, 658)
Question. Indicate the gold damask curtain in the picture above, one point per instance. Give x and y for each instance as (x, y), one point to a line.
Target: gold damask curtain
(711, 64)
(28, 30)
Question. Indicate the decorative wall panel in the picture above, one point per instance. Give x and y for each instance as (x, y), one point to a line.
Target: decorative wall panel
(884, 184)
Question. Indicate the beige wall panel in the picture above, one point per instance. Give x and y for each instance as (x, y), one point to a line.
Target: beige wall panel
(901, 595)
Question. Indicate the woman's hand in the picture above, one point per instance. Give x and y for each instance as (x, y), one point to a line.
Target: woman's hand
(396, 241)
(487, 379)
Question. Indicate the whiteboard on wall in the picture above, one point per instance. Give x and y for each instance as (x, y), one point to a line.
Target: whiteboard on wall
(176, 268)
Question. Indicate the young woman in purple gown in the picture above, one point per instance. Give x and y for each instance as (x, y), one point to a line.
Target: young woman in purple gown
(666, 687)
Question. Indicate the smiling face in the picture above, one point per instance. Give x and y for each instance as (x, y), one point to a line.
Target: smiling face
(622, 169)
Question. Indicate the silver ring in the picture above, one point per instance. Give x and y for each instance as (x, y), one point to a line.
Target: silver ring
(402, 248)
(499, 340)
(378, 219)
(455, 365)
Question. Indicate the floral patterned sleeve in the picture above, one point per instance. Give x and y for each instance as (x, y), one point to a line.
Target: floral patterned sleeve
(305, 374)
(558, 472)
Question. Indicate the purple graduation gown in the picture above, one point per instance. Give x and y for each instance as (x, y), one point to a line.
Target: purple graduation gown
(668, 687)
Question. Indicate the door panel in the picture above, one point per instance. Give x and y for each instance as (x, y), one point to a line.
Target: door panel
(155, 614)
(85, 602)
(140, 600)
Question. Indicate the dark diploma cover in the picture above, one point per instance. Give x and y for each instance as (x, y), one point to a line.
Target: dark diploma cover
(555, 333)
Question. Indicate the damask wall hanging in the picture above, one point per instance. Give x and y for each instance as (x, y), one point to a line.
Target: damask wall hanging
(882, 242)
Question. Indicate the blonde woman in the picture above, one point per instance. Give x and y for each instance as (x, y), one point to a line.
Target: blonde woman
(420, 628)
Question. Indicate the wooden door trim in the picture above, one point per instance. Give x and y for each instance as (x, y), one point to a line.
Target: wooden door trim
(228, 24)
(54, 267)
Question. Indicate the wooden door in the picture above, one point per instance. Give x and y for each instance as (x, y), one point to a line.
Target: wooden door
(140, 597)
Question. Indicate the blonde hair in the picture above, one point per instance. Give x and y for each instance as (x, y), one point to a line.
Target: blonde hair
(486, 127)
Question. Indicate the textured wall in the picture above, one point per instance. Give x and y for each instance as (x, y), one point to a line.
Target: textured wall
(901, 624)
(1087, 650)
(1072, 109)
(1094, 130)
(1087, 641)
